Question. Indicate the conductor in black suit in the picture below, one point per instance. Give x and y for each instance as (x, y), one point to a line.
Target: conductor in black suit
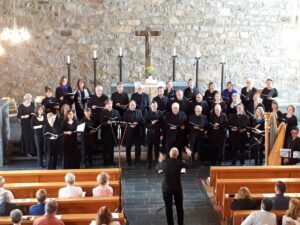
(171, 186)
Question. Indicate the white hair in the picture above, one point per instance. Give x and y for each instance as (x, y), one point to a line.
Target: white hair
(70, 178)
(4, 197)
(175, 105)
(2, 180)
(27, 96)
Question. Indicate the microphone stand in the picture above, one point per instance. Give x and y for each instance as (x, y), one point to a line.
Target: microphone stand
(119, 143)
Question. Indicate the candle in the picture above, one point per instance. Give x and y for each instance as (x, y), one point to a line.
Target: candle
(198, 54)
(68, 59)
(95, 54)
(174, 52)
(120, 52)
(223, 59)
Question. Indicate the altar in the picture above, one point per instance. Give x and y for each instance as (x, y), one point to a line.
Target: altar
(150, 88)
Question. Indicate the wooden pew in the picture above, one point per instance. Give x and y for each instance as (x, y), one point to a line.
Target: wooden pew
(227, 212)
(239, 172)
(28, 190)
(32, 176)
(69, 219)
(75, 205)
(240, 215)
(228, 186)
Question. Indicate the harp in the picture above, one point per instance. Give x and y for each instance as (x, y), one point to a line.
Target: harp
(274, 139)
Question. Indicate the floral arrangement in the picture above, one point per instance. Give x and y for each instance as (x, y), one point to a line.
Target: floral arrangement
(150, 70)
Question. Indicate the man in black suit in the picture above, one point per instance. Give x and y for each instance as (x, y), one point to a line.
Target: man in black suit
(171, 186)
(5, 205)
(280, 202)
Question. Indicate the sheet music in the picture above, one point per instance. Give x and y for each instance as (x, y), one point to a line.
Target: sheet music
(80, 127)
(115, 215)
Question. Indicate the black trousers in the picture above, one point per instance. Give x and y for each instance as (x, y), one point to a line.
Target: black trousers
(238, 141)
(153, 140)
(108, 153)
(52, 155)
(216, 150)
(137, 153)
(178, 199)
(38, 141)
(197, 145)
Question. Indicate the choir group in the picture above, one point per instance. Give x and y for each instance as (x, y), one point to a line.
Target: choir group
(188, 120)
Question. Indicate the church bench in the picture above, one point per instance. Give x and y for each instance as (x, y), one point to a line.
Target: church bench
(227, 212)
(69, 219)
(240, 215)
(31, 176)
(260, 185)
(28, 190)
(75, 205)
(232, 172)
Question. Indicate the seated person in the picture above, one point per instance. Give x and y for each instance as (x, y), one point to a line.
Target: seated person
(5, 205)
(263, 216)
(293, 212)
(16, 216)
(70, 191)
(2, 182)
(39, 209)
(103, 189)
(104, 217)
(293, 143)
(49, 217)
(243, 201)
(280, 202)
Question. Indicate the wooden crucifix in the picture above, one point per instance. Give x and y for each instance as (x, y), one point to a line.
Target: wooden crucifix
(147, 33)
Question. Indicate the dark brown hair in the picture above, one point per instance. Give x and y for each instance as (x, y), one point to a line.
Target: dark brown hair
(103, 216)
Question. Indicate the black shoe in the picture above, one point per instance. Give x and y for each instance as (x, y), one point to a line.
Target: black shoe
(149, 166)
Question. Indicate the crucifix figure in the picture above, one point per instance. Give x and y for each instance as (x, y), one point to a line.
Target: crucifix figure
(147, 33)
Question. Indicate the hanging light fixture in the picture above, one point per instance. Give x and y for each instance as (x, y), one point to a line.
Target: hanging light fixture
(15, 35)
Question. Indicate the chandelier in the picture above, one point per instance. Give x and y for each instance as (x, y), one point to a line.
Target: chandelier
(15, 35)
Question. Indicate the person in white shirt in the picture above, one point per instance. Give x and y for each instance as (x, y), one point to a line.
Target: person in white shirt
(2, 189)
(263, 216)
(293, 213)
(104, 216)
(70, 191)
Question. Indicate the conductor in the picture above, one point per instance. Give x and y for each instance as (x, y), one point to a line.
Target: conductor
(171, 186)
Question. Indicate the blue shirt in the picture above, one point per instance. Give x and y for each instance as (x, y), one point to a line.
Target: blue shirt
(38, 209)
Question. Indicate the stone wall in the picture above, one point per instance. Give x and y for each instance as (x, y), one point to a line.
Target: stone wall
(257, 38)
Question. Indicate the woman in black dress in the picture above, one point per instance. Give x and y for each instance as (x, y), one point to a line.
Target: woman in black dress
(52, 133)
(37, 123)
(218, 101)
(25, 112)
(81, 99)
(71, 153)
(88, 138)
(276, 111)
(49, 102)
(62, 91)
(210, 93)
(291, 121)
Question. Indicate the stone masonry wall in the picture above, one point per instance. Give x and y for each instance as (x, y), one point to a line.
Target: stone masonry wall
(257, 37)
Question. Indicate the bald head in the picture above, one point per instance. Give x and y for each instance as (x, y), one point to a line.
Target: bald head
(2, 181)
(174, 153)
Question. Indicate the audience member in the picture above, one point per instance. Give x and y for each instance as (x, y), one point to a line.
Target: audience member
(39, 208)
(263, 216)
(104, 216)
(293, 212)
(70, 191)
(103, 189)
(49, 217)
(5, 205)
(2, 182)
(280, 202)
(16, 216)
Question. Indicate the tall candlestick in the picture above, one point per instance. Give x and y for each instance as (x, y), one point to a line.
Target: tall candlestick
(198, 55)
(120, 52)
(68, 59)
(223, 59)
(94, 54)
(174, 52)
